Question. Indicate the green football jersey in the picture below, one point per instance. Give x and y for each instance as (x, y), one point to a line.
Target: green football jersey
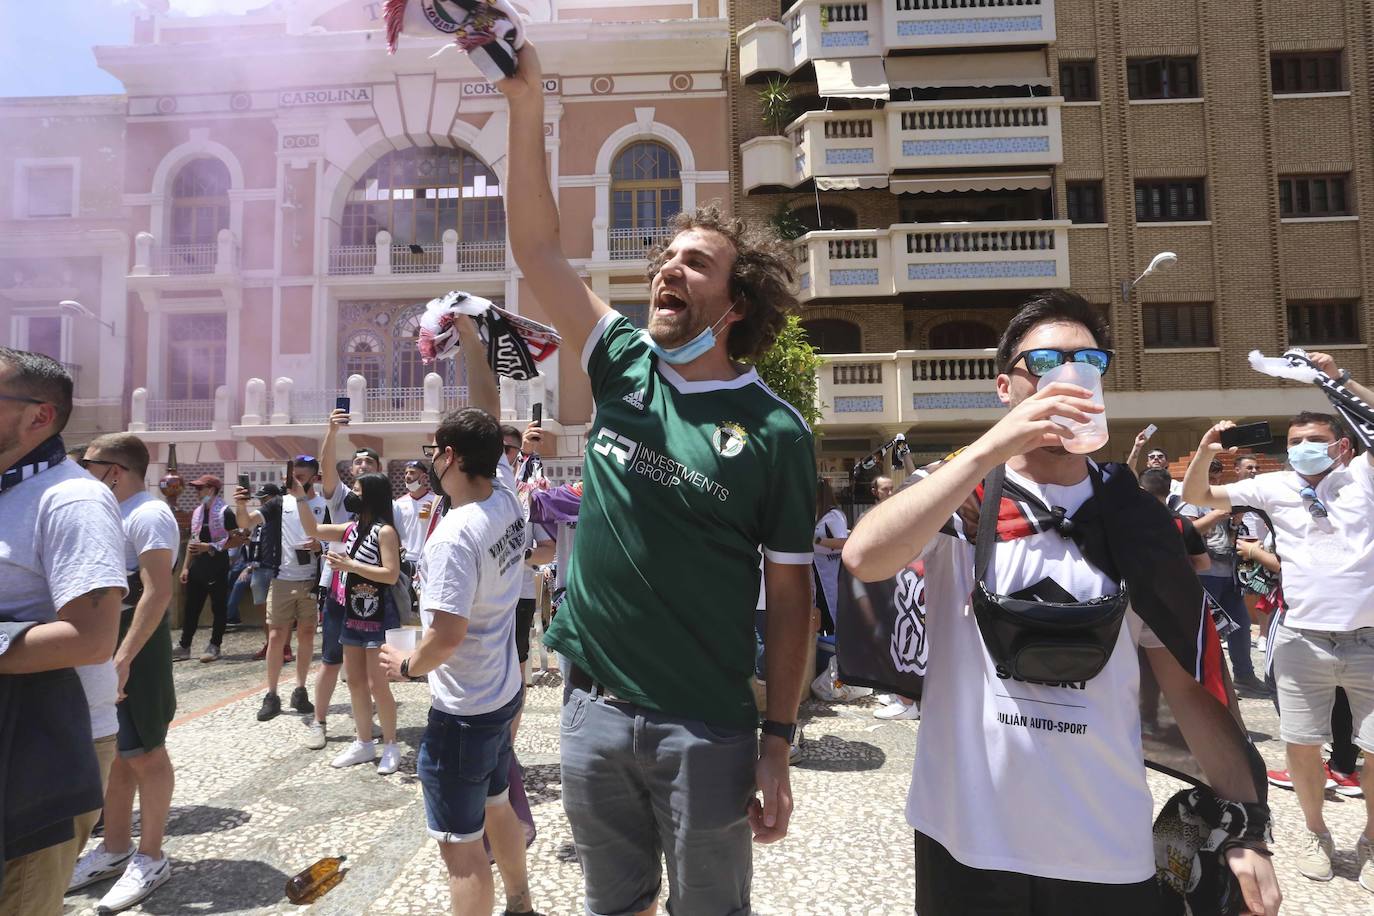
(683, 484)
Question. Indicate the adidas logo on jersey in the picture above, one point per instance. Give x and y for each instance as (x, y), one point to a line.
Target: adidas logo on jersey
(635, 399)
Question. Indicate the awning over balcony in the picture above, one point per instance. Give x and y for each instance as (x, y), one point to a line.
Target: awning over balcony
(935, 184)
(854, 79)
(1008, 68)
(852, 183)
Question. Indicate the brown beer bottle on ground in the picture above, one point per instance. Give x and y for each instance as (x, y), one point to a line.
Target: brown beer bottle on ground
(315, 880)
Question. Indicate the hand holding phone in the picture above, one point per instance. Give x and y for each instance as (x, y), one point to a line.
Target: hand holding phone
(344, 404)
(1248, 435)
(244, 482)
(537, 413)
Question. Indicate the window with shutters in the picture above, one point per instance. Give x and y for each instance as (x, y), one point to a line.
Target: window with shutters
(1324, 322)
(1315, 195)
(1078, 80)
(1172, 200)
(646, 186)
(1308, 71)
(1178, 324)
(1084, 201)
(1162, 78)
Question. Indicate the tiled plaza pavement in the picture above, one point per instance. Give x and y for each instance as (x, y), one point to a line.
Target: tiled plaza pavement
(253, 806)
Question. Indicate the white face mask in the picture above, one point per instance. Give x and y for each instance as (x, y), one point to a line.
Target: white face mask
(414, 486)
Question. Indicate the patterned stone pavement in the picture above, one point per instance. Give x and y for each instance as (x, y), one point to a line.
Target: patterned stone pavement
(253, 806)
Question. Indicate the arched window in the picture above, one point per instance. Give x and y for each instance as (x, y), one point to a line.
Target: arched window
(409, 371)
(833, 335)
(200, 202)
(363, 356)
(962, 335)
(418, 193)
(827, 216)
(646, 186)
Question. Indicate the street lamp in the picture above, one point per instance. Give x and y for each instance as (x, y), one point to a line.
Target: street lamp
(1161, 261)
(72, 307)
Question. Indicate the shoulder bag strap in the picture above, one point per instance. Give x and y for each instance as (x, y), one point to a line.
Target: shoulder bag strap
(988, 511)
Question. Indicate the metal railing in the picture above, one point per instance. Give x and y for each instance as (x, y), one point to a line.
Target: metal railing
(352, 259)
(420, 259)
(311, 405)
(633, 242)
(184, 259)
(455, 396)
(477, 256)
(391, 405)
(177, 414)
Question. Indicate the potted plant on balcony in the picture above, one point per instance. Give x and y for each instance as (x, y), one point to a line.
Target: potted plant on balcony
(786, 223)
(776, 101)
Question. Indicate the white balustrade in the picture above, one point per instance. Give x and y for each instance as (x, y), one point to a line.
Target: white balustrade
(254, 403)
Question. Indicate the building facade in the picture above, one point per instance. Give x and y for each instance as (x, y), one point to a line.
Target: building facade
(287, 196)
(939, 160)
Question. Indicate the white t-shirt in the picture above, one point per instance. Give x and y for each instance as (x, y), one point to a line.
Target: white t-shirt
(412, 521)
(1328, 563)
(539, 534)
(827, 559)
(60, 537)
(148, 525)
(1029, 778)
(293, 536)
(473, 568)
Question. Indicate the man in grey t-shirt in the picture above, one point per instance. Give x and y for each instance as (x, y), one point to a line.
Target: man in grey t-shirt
(61, 559)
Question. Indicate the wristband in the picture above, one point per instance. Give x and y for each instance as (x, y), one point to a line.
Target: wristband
(405, 667)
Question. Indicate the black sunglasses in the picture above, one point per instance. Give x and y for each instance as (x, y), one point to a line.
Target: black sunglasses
(21, 399)
(429, 451)
(85, 463)
(1042, 360)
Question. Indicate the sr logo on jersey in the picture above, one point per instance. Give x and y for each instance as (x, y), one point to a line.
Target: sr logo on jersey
(609, 442)
(728, 439)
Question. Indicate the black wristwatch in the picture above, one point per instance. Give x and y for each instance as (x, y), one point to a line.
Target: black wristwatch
(779, 730)
(405, 667)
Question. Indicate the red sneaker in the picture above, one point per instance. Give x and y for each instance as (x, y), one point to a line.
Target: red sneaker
(1347, 784)
(261, 653)
(1283, 780)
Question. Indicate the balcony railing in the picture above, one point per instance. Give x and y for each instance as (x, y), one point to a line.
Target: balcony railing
(957, 134)
(819, 30)
(184, 259)
(449, 256)
(178, 414)
(933, 257)
(153, 260)
(632, 243)
(906, 386)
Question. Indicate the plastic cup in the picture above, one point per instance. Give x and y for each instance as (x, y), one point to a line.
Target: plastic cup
(403, 638)
(1087, 437)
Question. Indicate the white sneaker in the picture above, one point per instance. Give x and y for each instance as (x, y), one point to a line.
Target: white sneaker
(884, 699)
(1314, 856)
(898, 710)
(97, 865)
(391, 760)
(1364, 855)
(315, 734)
(358, 752)
(143, 876)
(1262, 644)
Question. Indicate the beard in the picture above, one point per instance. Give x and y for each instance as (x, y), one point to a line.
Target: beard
(673, 329)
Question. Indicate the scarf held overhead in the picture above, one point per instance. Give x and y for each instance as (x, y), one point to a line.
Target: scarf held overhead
(490, 31)
(515, 345)
(1297, 366)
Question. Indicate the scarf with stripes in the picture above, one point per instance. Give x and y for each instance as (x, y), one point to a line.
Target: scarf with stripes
(47, 454)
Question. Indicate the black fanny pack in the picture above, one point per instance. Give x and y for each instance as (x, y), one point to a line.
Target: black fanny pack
(1039, 641)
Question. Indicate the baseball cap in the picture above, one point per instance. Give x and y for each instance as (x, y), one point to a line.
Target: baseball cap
(208, 480)
(418, 465)
(267, 491)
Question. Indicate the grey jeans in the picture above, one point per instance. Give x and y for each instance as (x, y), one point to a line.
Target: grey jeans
(638, 785)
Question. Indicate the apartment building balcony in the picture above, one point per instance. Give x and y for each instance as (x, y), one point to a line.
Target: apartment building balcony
(906, 387)
(159, 268)
(386, 258)
(933, 257)
(632, 243)
(202, 416)
(903, 136)
(813, 30)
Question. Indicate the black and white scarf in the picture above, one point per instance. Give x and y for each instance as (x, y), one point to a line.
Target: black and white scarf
(48, 454)
(1296, 366)
(515, 344)
(490, 31)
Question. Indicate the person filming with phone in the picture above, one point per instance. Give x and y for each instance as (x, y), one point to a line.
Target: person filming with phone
(1322, 514)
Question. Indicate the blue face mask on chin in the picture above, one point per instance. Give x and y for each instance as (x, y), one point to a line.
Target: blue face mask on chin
(1310, 458)
(697, 346)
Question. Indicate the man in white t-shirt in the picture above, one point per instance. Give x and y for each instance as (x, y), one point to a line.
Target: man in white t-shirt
(1322, 512)
(1030, 797)
(291, 600)
(414, 508)
(143, 661)
(63, 574)
(472, 571)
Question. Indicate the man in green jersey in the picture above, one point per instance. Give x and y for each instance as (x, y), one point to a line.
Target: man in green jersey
(692, 468)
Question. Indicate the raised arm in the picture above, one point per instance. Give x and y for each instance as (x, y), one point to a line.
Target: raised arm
(532, 215)
(329, 470)
(1137, 451)
(1196, 489)
(245, 517)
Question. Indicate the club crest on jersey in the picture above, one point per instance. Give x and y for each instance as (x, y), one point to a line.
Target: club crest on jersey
(728, 439)
(439, 17)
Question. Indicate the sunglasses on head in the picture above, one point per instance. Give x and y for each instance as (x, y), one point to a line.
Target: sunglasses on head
(1043, 359)
(305, 459)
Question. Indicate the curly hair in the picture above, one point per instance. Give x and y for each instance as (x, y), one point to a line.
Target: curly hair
(761, 277)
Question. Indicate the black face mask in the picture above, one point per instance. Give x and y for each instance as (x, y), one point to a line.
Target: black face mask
(353, 503)
(436, 479)
(1042, 641)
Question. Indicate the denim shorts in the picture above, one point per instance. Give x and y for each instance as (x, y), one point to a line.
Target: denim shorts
(464, 767)
(259, 580)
